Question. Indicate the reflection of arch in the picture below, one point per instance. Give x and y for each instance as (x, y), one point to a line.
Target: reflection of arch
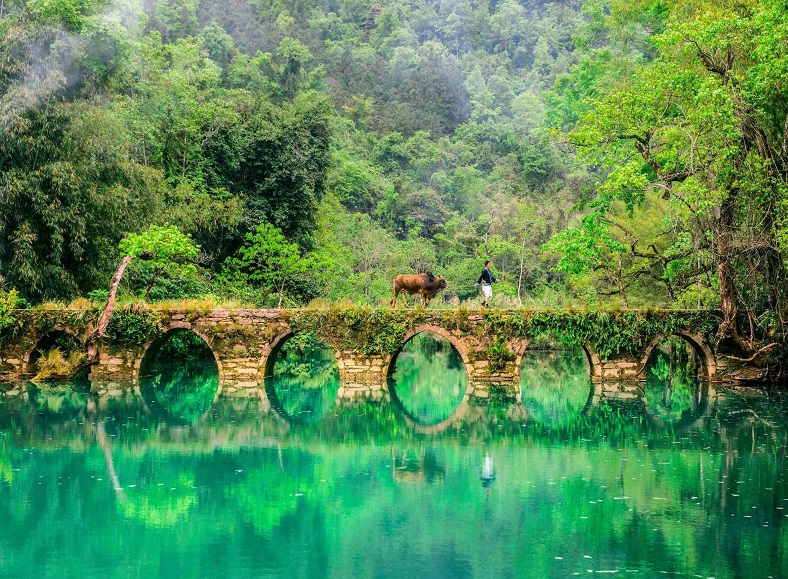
(152, 348)
(265, 375)
(594, 365)
(708, 365)
(462, 407)
(46, 341)
(458, 414)
(706, 403)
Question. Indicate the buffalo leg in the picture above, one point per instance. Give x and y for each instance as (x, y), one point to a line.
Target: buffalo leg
(400, 292)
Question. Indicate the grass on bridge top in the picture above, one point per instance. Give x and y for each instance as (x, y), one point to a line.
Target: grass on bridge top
(215, 303)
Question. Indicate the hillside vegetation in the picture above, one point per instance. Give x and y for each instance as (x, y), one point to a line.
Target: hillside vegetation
(625, 152)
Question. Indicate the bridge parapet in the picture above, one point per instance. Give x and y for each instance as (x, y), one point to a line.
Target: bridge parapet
(366, 341)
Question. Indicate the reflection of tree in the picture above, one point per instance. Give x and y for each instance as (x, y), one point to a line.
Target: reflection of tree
(160, 506)
(180, 376)
(325, 492)
(555, 383)
(424, 467)
(6, 470)
(305, 377)
(58, 399)
(672, 379)
(429, 378)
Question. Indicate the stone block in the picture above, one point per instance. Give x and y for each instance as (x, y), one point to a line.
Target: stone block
(250, 384)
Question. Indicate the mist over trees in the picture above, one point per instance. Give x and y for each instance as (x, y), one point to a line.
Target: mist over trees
(614, 153)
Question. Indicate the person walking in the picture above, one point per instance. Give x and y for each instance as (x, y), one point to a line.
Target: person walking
(486, 280)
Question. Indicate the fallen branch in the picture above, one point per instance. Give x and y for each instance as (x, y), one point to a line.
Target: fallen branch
(752, 358)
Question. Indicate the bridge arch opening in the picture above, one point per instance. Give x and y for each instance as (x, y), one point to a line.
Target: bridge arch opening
(677, 370)
(556, 384)
(428, 378)
(55, 353)
(301, 377)
(179, 376)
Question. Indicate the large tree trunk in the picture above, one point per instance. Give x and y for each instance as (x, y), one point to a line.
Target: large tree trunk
(730, 311)
(729, 329)
(103, 322)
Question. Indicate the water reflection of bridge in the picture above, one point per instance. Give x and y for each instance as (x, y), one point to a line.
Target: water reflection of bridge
(47, 413)
(366, 343)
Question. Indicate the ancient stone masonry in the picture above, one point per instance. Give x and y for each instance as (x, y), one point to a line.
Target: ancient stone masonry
(366, 342)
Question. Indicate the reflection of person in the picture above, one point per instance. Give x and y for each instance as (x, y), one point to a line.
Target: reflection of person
(486, 279)
(488, 472)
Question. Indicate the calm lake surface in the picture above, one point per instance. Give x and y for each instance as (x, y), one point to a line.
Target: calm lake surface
(668, 476)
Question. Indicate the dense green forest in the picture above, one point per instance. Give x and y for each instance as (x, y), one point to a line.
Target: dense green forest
(626, 152)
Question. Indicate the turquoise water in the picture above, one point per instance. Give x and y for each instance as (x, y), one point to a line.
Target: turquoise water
(561, 483)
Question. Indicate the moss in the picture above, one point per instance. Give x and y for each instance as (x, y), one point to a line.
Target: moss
(382, 330)
(133, 329)
(498, 354)
(226, 336)
(610, 334)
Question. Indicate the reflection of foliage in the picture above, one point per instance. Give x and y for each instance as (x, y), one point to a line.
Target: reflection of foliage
(305, 377)
(180, 374)
(273, 489)
(555, 384)
(62, 399)
(6, 466)
(429, 378)
(304, 356)
(672, 378)
(159, 505)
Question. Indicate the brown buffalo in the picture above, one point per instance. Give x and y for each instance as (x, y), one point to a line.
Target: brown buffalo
(424, 284)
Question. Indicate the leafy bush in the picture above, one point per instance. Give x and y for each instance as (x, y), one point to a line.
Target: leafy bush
(9, 324)
(54, 365)
(132, 328)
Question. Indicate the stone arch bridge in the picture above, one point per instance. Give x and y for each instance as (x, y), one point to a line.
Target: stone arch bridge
(366, 341)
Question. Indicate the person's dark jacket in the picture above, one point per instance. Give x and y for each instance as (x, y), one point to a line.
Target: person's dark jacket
(487, 277)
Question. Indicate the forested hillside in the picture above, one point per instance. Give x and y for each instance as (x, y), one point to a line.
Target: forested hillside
(625, 153)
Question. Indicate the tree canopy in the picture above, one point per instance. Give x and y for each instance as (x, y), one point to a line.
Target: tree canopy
(600, 152)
